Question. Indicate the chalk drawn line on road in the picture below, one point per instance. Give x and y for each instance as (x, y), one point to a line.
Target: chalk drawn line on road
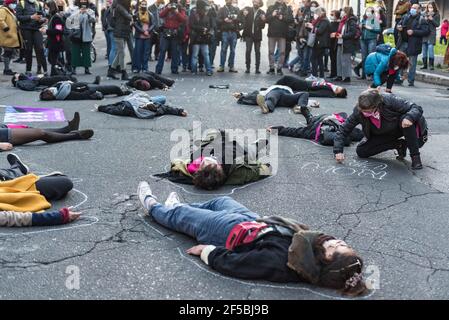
(360, 168)
(249, 283)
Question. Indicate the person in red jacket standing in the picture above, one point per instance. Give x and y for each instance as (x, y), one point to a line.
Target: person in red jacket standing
(174, 16)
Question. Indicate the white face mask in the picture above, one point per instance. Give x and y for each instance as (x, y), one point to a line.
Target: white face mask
(315, 16)
(12, 6)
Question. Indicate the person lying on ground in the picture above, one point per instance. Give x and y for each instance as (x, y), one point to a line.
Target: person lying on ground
(321, 128)
(141, 105)
(35, 83)
(68, 90)
(23, 194)
(319, 88)
(220, 160)
(277, 249)
(10, 137)
(276, 96)
(385, 66)
(388, 123)
(145, 82)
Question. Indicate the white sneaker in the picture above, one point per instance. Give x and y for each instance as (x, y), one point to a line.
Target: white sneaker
(145, 195)
(313, 103)
(172, 200)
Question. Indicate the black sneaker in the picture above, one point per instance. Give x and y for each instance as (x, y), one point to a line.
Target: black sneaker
(347, 80)
(97, 80)
(247, 71)
(271, 71)
(401, 149)
(112, 74)
(279, 72)
(357, 71)
(87, 71)
(416, 162)
(14, 159)
(257, 71)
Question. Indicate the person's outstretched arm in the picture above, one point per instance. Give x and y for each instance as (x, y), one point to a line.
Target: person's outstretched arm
(28, 219)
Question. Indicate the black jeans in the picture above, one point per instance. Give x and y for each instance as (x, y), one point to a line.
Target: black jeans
(388, 78)
(34, 39)
(318, 62)
(380, 143)
(54, 187)
(333, 56)
(281, 98)
(249, 46)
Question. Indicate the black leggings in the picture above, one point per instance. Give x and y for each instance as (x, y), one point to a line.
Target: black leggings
(317, 62)
(33, 38)
(54, 187)
(89, 89)
(380, 143)
(281, 98)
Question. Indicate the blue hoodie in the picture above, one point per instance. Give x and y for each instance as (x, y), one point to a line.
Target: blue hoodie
(377, 63)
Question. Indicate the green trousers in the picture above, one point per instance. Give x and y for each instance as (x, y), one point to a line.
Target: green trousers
(81, 54)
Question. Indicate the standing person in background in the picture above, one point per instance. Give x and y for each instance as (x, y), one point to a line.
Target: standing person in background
(229, 24)
(321, 28)
(368, 40)
(185, 45)
(55, 33)
(444, 30)
(106, 15)
(307, 17)
(143, 26)
(10, 37)
(121, 22)
(432, 16)
(381, 14)
(300, 39)
(402, 8)
(346, 44)
(173, 15)
(215, 39)
(413, 28)
(155, 10)
(30, 14)
(80, 29)
(335, 22)
(253, 20)
(279, 17)
(200, 35)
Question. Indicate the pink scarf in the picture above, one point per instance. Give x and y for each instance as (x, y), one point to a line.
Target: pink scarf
(194, 165)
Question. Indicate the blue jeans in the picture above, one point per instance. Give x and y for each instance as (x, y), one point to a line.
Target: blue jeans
(141, 54)
(428, 50)
(229, 39)
(299, 58)
(367, 47)
(173, 45)
(204, 52)
(307, 53)
(209, 222)
(159, 99)
(412, 69)
(111, 53)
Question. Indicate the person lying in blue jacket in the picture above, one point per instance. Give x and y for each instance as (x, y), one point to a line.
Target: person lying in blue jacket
(385, 65)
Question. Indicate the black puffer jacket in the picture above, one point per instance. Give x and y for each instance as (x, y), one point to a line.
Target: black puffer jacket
(350, 42)
(279, 28)
(121, 19)
(252, 23)
(322, 31)
(200, 28)
(393, 108)
(24, 13)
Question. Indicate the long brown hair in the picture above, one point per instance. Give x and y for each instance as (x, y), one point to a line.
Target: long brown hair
(399, 59)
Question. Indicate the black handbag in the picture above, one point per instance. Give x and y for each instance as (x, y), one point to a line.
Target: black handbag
(76, 35)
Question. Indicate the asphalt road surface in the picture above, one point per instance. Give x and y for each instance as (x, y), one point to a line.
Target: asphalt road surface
(396, 218)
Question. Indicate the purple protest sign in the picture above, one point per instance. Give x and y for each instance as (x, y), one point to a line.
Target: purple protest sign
(16, 114)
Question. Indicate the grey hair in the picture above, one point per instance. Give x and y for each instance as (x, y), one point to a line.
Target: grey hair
(369, 99)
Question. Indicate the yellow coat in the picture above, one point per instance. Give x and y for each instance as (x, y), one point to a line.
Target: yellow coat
(21, 195)
(10, 38)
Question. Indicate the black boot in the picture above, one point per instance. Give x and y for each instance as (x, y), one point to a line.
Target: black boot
(401, 149)
(424, 64)
(431, 63)
(305, 111)
(97, 80)
(357, 69)
(124, 75)
(271, 71)
(279, 72)
(416, 162)
(87, 71)
(112, 73)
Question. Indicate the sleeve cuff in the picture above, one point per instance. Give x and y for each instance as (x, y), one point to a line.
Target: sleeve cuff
(205, 253)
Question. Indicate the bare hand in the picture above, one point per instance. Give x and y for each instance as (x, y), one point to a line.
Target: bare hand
(275, 12)
(406, 123)
(333, 34)
(409, 32)
(196, 250)
(339, 157)
(5, 146)
(146, 33)
(263, 17)
(245, 12)
(227, 20)
(339, 36)
(74, 215)
(42, 30)
(399, 28)
(388, 90)
(36, 17)
(237, 95)
(281, 17)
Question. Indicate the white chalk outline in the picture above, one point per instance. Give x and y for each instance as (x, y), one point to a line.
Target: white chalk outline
(249, 283)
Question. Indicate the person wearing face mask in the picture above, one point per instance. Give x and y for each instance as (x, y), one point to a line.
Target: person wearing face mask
(279, 16)
(237, 242)
(31, 16)
(370, 26)
(401, 9)
(253, 20)
(380, 11)
(106, 14)
(385, 65)
(413, 28)
(321, 29)
(10, 37)
(432, 16)
(388, 123)
(155, 10)
(55, 36)
(219, 160)
(143, 27)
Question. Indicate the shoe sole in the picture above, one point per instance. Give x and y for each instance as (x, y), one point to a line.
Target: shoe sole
(261, 103)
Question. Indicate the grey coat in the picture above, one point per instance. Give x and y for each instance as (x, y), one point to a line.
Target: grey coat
(433, 25)
(83, 21)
